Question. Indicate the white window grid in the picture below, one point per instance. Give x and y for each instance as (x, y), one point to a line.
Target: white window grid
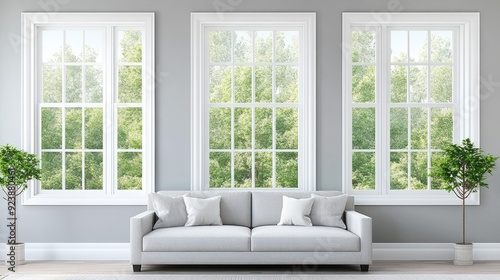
(110, 24)
(253, 105)
(200, 23)
(465, 119)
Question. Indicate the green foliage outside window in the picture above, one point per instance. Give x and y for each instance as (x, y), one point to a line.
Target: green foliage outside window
(84, 125)
(249, 122)
(428, 128)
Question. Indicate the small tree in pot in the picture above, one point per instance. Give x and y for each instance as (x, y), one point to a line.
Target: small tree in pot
(17, 168)
(462, 170)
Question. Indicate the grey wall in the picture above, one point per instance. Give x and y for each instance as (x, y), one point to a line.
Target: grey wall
(111, 223)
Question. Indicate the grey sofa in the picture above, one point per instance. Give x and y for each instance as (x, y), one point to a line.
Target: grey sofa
(250, 235)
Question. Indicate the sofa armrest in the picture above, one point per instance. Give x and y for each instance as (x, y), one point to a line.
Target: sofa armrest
(361, 225)
(140, 225)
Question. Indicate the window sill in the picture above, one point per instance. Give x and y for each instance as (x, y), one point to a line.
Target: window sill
(256, 189)
(413, 199)
(140, 198)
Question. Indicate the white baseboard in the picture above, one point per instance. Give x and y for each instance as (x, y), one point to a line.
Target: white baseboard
(121, 251)
(431, 251)
(75, 251)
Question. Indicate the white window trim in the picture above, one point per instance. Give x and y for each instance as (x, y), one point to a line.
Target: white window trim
(306, 22)
(30, 23)
(469, 96)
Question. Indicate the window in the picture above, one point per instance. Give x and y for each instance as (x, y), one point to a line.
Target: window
(88, 82)
(411, 85)
(253, 101)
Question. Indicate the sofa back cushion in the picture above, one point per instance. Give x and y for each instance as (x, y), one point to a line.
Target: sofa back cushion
(235, 207)
(266, 205)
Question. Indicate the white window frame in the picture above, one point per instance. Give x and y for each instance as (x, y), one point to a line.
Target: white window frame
(31, 23)
(306, 24)
(466, 99)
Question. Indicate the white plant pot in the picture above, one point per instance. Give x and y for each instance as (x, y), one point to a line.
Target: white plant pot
(463, 254)
(14, 254)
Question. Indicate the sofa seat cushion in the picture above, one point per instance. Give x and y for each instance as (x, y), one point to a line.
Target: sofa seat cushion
(198, 239)
(303, 239)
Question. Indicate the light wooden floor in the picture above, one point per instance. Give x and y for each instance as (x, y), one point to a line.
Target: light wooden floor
(378, 267)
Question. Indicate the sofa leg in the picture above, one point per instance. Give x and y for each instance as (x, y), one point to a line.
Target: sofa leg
(136, 267)
(364, 267)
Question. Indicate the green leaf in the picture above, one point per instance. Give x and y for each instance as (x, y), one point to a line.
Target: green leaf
(463, 168)
(24, 167)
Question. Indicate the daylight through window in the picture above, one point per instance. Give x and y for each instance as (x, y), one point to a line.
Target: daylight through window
(405, 100)
(254, 105)
(91, 121)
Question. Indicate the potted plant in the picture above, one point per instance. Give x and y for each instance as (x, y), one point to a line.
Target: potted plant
(17, 168)
(462, 170)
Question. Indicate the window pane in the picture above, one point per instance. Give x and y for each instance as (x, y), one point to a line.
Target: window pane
(263, 170)
(441, 46)
(74, 84)
(263, 46)
(243, 170)
(363, 128)
(398, 84)
(418, 83)
(287, 128)
(419, 172)
(399, 46)
(441, 83)
(263, 84)
(242, 128)
(287, 46)
(93, 128)
(287, 170)
(399, 171)
(130, 171)
(93, 84)
(363, 46)
(52, 44)
(436, 183)
(243, 84)
(130, 46)
(263, 128)
(72, 74)
(287, 84)
(130, 84)
(93, 46)
(73, 171)
(242, 71)
(51, 84)
(220, 128)
(51, 171)
(129, 128)
(51, 128)
(441, 127)
(418, 46)
(73, 128)
(363, 84)
(243, 46)
(94, 171)
(399, 128)
(220, 170)
(74, 46)
(220, 84)
(219, 46)
(419, 128)
(363, 171)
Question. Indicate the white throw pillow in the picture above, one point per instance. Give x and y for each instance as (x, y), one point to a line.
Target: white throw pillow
(171, 211)
(203, 211)
(296, 211)
(328, 211)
